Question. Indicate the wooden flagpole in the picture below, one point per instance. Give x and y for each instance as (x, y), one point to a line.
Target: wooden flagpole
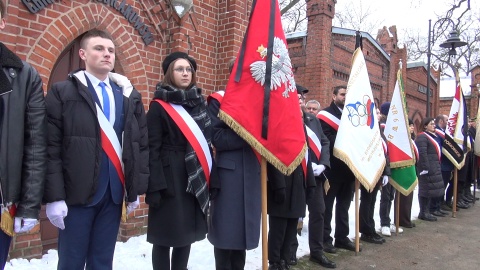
(263, 175)
(455, 183)
(357, 217)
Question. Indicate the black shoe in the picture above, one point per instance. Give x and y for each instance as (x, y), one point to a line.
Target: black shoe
(293, 261)
(450, 205)
(445, 208)
(275, 266)
(409, 226)
(446, 213)
(370, 238)
(462, 205)
(346, 244)
(321, 259)
(438, 214)
(378, 236)
(469, 196)
(284, 265)
(427, 217)
(328, 247)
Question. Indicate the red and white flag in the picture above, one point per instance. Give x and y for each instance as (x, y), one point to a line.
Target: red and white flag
(457, 127)
(260, 101)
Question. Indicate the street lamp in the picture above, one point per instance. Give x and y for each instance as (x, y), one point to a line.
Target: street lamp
(452, 42)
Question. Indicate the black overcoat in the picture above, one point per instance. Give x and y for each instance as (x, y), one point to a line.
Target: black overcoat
(430, 185)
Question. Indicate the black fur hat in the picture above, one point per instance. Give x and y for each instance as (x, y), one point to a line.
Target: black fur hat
(174, 56)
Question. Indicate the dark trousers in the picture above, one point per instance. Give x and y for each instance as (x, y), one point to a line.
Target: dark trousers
(316, 219)
(161, 257)
(228, 259)
(449, 192)
(294, 245)
(5, 240)
(367, 207)
(388, 194)
(89, 236)
(281, 234)
(342, 191)
(405, 212)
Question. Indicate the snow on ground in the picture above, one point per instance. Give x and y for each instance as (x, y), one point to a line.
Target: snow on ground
(135, 254)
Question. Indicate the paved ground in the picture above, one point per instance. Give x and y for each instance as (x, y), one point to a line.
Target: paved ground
(449, 243)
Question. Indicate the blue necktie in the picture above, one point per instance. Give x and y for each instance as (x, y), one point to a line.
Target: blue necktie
(106, 101)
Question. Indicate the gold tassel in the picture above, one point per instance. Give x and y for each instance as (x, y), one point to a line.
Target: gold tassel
(326, 186)
(6, 224)
(124, 212)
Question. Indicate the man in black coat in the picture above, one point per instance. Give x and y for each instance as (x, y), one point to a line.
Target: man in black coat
(23, 145)
(316, 205)
(98, 156)
(340, 177)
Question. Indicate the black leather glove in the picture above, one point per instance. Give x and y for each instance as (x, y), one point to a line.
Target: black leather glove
(310, 193)
(279, 195)
(214, 193)
(153, 198)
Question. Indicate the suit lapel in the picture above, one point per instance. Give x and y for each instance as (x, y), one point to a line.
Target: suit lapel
(118, 95)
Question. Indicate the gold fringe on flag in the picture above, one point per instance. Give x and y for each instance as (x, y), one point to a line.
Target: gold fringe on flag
(255, 144)
(6, 224)
(361, 178)
(124, 211)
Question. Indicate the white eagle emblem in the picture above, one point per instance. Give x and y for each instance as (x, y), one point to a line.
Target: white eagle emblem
(281, 68)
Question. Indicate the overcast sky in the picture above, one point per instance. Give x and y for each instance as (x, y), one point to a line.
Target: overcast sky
(406, 14)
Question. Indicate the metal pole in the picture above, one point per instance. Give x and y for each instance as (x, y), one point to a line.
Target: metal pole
(429, 53)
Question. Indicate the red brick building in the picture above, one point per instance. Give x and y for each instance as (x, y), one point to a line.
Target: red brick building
(46, 33)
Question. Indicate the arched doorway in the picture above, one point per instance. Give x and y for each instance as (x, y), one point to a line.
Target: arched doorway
(68, 61)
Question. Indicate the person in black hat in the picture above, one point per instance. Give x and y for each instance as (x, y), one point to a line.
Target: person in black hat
(177, 192)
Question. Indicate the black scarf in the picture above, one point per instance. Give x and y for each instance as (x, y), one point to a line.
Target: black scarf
(195, 104)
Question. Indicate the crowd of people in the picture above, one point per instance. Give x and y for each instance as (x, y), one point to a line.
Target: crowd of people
(88, 151)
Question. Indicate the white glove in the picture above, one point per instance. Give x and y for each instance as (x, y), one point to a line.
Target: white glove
(423, 172)
(317, 169)
(56, 212)
(132, 206)
(24, 224)
(384, 180)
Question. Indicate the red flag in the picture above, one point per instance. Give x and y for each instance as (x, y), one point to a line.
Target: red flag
(260, 101)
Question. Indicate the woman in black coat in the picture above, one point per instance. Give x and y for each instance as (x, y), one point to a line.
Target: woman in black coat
(177, 192)
(430, 182)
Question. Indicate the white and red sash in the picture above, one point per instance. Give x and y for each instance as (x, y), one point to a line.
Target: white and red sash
(440, 133)
(385, 147)
(192, 132)
(314, 143)
(435, 143)
(217, 95)
(415, 149)
(110, 144)
(329, 118)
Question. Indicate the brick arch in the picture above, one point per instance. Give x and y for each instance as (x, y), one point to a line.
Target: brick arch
(66, 28)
